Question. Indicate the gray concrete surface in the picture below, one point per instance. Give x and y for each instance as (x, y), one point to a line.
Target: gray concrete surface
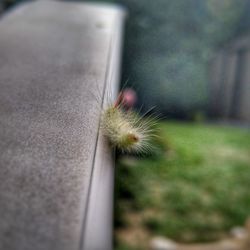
(56, 61)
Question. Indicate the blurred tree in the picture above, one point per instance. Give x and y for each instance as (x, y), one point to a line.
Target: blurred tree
(168, 45)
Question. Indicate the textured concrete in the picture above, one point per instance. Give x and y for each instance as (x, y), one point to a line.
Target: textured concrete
(54, 66)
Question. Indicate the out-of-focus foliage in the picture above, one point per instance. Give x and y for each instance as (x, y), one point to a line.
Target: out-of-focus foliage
(5, 4)
(168, 45)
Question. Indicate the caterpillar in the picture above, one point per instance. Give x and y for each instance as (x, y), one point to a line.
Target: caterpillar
(126, 129)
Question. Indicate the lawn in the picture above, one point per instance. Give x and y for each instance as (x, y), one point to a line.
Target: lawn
(195, 186)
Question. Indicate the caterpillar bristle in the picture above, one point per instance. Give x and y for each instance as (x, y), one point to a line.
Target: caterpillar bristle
(126, 130)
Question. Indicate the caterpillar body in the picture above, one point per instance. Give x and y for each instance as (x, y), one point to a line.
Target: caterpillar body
(125, 129)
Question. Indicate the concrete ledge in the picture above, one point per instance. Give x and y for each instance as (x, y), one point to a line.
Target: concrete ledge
(56, 170)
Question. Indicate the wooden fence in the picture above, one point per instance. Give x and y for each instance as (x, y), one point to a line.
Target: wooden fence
(230, 81)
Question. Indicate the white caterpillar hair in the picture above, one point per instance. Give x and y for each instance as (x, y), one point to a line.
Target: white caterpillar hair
(125, 129)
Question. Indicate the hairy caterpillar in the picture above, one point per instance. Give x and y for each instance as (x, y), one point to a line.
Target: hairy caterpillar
(125, 129)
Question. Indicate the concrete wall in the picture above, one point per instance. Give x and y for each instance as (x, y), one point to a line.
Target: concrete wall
(58, 63)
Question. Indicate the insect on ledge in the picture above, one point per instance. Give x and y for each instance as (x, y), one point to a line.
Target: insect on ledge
(125, 129)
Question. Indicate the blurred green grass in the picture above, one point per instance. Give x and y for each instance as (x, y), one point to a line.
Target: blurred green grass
(195, 187)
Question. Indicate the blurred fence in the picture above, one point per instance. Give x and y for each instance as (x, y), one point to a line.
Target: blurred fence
(230, 81)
